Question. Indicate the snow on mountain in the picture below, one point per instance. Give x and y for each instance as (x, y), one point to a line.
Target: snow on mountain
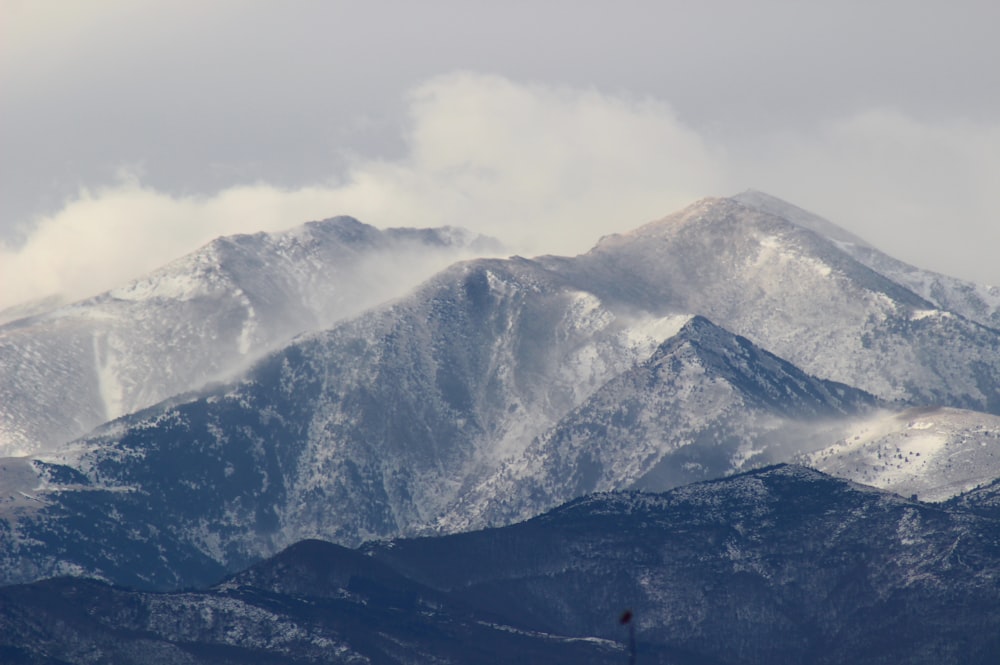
(799, 295)
(782, 566)
(983, 500)
(779, 565)
(200, 319)
(775, 206)
(368, 430)
(494, 389)
(976, 302)
(705, 404)
(933, 453)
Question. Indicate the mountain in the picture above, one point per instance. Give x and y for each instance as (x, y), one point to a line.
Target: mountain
(715, 340)
(798, 294)
(367, 620)
(705, 404)
(313, 603)
(982, 500)
(30, 308)
(979, 303)
(934, 453)
(779, 565)
(200, 319)
(369, 430)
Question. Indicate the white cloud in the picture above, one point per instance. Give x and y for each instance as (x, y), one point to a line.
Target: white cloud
(108, 236)
(550, 170)
(545, 169)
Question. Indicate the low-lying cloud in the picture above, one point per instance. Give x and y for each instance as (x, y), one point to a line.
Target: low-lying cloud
(551, 169)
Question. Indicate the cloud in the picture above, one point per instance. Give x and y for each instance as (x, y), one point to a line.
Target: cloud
(551, 169)
(922, 191)
(105, 237)
(545, 169)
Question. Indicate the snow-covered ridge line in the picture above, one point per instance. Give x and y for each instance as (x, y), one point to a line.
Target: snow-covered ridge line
(713, 341)
(977, 302)
(201, 318)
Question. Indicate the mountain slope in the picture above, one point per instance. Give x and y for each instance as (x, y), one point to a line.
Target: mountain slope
(973, 301)
(199, 319)
(705, 404)
(343, 608)
(783, 565)
(933, 453)
(422, 413)
(369, 430)
(799, 295)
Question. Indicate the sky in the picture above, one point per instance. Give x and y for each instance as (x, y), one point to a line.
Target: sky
(134, 131)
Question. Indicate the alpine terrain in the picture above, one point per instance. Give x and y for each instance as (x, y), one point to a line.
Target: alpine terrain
(200, 319)
(616, 416)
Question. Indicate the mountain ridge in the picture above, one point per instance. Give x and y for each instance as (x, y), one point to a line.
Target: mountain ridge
(779, 565)
(398, 421)
(976, 302)
(201, 318)
(705, 403)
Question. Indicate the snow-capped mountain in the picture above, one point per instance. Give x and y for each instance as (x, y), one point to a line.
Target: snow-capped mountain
(782, 565)
(797, 294)
(716, 339)
(369, 430)
(705, 404)
(199, 319)
(977, 302)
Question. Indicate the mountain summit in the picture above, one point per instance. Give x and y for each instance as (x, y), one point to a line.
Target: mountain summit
(201, 318)
(715, 340)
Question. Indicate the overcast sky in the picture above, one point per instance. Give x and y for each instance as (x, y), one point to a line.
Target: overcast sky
(133, 131)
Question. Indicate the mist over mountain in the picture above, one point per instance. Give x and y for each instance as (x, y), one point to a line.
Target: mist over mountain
(977, 302)
(733, 334)
(389, 417)
(797, 294)
(201, 318)
(705, 404)
(933, 453)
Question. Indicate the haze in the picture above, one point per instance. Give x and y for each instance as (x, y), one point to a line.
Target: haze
(134, 131)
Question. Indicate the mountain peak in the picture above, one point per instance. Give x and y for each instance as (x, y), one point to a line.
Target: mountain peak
(772, 205)
(760, 375)
(201, 318)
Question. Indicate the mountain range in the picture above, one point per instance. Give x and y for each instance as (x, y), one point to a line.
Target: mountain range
(352, 406)
(778, 565)
(201, 318)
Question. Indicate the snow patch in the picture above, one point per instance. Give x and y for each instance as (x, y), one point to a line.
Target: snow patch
(921, 314)
(934, 455)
